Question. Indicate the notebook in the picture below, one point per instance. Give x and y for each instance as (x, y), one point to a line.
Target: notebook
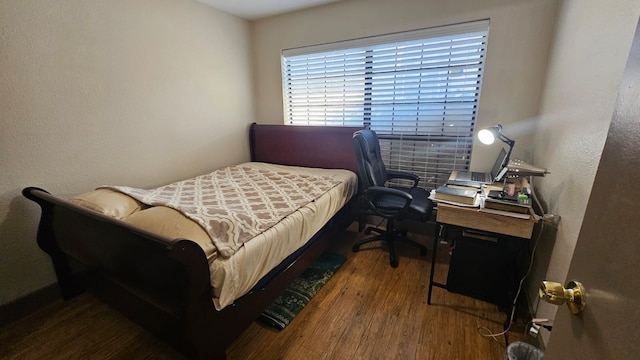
(485, 177)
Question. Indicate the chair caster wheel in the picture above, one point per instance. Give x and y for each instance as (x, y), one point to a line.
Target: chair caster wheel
(355, 248)
(394, 263)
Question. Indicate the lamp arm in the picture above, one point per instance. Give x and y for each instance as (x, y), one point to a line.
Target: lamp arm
(506, 139)
(511, 144)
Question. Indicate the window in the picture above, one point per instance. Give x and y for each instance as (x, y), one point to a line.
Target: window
(418, 90)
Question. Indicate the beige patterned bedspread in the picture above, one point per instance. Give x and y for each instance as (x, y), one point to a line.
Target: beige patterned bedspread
(236, 203)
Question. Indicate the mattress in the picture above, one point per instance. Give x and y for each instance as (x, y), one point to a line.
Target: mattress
(234, 276)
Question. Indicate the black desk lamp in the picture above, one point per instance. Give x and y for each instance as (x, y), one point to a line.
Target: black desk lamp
(488, 135)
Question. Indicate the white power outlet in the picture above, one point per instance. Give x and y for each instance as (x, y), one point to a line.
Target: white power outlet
(534, 330)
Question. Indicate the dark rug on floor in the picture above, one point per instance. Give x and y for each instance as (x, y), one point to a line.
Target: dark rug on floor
(298, 294)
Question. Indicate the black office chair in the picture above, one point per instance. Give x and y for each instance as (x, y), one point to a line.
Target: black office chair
(391, 203)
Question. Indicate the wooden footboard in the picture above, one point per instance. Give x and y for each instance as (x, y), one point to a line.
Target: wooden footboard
(164, 284)
(156, 281)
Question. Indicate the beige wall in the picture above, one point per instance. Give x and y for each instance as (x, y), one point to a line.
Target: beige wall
(585, 66)
(519, 40)
(137, 92)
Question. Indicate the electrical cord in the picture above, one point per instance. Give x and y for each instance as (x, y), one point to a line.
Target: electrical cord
(532, 193)
(488, 331)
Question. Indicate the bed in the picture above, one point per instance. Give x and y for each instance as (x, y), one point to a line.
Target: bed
(177, 288)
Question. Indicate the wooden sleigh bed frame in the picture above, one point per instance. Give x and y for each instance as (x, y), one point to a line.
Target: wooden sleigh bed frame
(163, 284)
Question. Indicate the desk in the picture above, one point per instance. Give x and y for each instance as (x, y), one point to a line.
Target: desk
(471, 218)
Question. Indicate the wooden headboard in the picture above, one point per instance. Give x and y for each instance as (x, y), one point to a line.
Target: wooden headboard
(328, 147)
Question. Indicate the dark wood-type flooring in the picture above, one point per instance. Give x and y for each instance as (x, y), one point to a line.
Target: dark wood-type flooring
(367, 310)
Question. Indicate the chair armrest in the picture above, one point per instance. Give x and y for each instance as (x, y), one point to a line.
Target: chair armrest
(393, 174)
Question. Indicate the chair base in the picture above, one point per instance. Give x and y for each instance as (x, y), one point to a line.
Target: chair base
(390, 237)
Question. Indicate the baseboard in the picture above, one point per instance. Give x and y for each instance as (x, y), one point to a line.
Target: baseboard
(26, 305)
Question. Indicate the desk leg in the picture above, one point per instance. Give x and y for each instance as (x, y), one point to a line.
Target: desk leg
(436, 238)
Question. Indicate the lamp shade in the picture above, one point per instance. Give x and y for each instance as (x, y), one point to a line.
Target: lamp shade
(488, 136)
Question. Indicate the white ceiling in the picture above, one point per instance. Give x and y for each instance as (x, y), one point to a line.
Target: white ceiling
(254, 9)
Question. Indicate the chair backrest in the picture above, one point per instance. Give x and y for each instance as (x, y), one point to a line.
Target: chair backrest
(370, 166)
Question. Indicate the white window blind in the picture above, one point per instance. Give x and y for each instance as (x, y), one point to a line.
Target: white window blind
(418, 90)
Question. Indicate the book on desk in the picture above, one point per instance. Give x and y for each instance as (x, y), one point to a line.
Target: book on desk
(457, 194)
(499, 203)
(506, 205)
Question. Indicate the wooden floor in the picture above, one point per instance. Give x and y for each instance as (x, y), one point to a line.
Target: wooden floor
(367, 310)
